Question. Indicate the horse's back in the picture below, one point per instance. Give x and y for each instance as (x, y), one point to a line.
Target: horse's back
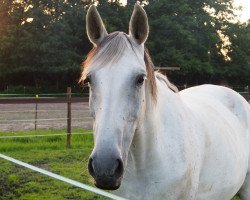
(224, 119)
(212, 94)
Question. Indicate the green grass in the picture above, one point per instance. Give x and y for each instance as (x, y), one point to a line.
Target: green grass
(49, 153)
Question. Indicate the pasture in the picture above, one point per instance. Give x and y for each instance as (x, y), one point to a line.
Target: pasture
(49, 153)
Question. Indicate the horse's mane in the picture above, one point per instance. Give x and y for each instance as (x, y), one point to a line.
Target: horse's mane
(111, 49)
(164, 79)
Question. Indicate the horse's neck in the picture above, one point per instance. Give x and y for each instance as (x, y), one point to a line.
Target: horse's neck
(160, 133)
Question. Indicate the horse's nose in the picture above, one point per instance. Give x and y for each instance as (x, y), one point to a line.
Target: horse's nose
(106, 172)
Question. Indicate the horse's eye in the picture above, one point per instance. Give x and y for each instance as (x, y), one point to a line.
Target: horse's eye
(140, 80)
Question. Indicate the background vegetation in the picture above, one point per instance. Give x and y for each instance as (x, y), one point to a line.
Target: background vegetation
(43, 42)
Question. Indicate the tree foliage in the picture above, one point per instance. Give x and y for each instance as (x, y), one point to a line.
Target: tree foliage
(44, 41)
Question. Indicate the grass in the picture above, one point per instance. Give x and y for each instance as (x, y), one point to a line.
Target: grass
(49, 153)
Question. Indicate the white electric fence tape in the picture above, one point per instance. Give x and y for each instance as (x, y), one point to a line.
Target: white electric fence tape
(32, 95)
(61, 178)
(33, 120)
(47, 135)
(32, 111)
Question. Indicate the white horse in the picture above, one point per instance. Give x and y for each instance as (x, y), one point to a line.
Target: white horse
(152, 142)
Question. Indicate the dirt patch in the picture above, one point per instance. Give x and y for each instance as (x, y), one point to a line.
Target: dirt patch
(21, 117)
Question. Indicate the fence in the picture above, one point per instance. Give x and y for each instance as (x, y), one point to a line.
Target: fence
(68, 100)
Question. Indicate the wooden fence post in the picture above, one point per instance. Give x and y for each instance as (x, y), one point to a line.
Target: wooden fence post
(36, 111)
(68, 116)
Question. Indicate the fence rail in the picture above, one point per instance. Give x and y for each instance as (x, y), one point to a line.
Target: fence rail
(42, 100)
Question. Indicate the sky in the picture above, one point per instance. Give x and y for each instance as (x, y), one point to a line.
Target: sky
(244, 15)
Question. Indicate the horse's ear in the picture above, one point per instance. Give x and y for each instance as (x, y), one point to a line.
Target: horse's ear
(95, 28)
(138, 25)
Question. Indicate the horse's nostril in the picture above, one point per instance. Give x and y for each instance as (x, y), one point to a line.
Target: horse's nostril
(90, 166)
(119, 169)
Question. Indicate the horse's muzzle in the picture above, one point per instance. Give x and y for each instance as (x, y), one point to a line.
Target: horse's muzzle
(107, 174)
(107, 183)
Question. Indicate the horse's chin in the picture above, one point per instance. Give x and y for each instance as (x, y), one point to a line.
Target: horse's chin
(108, 185)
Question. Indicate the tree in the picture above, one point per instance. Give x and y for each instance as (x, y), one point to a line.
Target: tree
(185, 34)
(43, 42)
(238, 69)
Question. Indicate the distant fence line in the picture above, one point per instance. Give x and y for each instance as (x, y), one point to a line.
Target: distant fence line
(40, 94)
(32, 111)
(244, 91)
(41, 100)
(67, 100)
(33, 120)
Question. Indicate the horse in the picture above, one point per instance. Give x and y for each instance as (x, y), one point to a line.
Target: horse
(152, 141)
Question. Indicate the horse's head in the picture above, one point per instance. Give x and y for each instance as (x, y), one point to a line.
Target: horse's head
(117, 68)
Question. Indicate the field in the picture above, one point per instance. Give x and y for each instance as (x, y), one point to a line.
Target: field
(49, 153)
